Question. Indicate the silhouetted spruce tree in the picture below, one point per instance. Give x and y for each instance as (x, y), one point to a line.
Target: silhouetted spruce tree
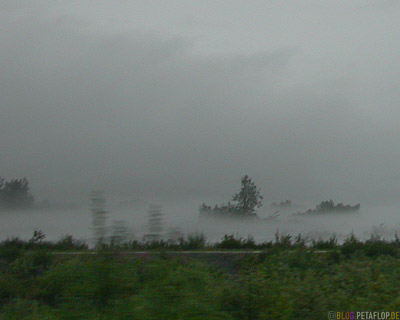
(248, 198)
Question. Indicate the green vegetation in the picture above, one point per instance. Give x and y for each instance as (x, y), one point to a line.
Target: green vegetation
(248, 199)
(290, 279)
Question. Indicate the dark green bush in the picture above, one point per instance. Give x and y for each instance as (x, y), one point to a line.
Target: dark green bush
(31, 263)
(9, 253)
(376, 247)
(192, 242)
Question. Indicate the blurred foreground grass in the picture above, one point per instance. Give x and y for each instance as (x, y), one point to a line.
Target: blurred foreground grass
(287, 280)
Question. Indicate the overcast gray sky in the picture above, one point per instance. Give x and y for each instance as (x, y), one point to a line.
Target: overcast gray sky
(182, 98)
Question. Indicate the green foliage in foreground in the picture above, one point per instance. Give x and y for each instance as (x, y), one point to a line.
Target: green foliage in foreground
(288, 280)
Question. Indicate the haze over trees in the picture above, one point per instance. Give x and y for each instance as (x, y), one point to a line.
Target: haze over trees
(330, 207)
(14, 194)
(283, 205)
(248, 199)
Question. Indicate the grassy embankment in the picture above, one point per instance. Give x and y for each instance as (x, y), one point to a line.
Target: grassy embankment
(288, 280)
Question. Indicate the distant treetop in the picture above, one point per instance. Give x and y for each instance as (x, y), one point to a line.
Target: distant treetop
(14, 194)
(248, 199)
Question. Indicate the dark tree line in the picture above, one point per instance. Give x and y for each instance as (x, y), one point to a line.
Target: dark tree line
(330, 207)
(14, 194)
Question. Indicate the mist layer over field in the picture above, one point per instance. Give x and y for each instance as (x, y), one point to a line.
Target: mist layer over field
(183, 217)
(179, 99)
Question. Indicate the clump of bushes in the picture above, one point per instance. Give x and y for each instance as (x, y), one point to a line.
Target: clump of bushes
(230, 242)
(330, 207)
(37, 241)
